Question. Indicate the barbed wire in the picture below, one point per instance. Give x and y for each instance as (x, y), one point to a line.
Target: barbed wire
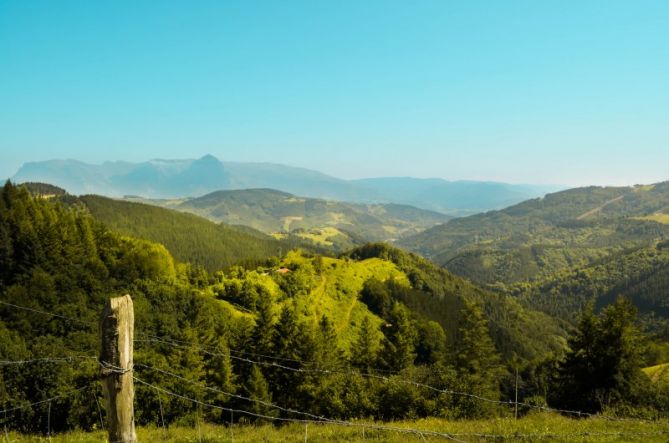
(70, 359)
(455, 436)
(30, 405)
(229, 394)
(52, 314)
(300, 420)
(315, 418)
(407, 382)
(157, 339)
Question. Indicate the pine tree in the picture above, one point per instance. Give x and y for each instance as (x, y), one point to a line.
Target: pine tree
(476, 362)
(400, 339)
(603, 366)
(288, 343)
(263, 331)
(364, 350)
(257, 389)
(326, 352)
(219, 374)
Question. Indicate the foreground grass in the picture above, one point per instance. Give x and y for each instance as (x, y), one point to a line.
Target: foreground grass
(537, 427)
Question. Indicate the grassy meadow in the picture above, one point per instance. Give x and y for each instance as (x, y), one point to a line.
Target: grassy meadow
(535, 427)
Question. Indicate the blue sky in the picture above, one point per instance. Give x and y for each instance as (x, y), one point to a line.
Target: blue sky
(569, 92)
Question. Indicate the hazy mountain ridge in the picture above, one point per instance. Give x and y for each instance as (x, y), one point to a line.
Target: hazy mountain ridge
(456, 197)
(192, 178)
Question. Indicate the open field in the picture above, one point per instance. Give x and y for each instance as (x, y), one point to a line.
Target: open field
(658, 373)
(659, 218)
(537, 427)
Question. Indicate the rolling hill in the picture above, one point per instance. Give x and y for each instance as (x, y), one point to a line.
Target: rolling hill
(188, 237)
(327, 222)
(642, 275)
(539, 237)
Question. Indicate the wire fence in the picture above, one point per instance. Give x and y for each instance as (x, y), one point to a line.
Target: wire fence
(355, 372)
(305, 417)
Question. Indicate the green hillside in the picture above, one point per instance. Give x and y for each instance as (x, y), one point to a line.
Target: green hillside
(377, 333)
(540, 237)
(188, 237)
(642, 275)
(375, 309)
(336, 223)
(439, 295)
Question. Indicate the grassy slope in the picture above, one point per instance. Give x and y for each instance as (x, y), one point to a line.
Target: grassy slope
(540, 237)
(188, 237)
(336, 294)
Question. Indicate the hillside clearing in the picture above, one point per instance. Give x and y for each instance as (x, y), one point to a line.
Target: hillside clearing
(659, 218)
(599, 208)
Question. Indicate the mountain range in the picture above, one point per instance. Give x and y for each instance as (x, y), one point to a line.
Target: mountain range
(197, 177)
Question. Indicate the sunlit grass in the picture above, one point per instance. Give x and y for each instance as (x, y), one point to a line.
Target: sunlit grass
(659, 218)
(536, 427)
(658, 372)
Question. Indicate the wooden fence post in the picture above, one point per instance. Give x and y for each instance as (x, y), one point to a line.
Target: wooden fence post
(116, 332)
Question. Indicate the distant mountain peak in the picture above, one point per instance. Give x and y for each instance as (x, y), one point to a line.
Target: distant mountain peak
(208, 158)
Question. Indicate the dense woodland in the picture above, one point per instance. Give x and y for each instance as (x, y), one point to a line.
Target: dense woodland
(375, 332)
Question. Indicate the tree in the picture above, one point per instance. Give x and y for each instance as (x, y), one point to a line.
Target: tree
(431, 345)
(263, 331)
(326, 352)
(477, 362)
(365, 348)
(400, 343)
(289, 342)
(603, 365)
(257, 389)
(376, 296)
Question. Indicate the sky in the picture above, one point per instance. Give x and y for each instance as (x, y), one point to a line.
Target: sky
(552, 91)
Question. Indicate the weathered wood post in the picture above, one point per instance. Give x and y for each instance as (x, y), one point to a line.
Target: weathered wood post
(116, 332)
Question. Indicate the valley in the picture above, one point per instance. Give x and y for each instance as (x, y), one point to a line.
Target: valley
(328, 223)
(290, 317)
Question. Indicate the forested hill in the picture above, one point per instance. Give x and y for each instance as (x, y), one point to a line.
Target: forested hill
(539, 237)
(191, 239)
(642, 275)
(330, 222)
(376, 310)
